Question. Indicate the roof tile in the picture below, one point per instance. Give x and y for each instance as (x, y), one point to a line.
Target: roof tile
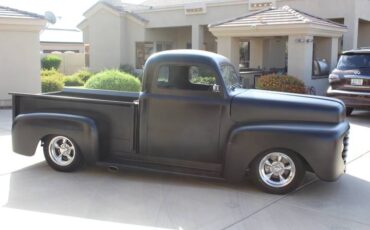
(277, 16)
(7, 12)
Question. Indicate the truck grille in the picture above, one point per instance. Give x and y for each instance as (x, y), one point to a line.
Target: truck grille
(345, 147)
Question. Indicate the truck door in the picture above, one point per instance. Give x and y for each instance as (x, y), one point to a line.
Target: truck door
(183, 113)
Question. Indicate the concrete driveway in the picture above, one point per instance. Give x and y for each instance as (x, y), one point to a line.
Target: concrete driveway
(33, 195)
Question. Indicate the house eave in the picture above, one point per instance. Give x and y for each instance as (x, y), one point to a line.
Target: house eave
(278, 30)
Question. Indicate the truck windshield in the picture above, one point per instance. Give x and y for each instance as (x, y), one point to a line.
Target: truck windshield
(230, 77)
(354, 61)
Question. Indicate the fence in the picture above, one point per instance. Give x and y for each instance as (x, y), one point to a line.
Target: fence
(71, 62)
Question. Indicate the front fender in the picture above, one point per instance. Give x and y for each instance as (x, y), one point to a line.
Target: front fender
(320, 145)
(29, 129)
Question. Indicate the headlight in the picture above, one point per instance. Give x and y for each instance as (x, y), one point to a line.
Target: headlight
(333, 78)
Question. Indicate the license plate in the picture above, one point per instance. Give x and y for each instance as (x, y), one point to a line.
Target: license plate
(357, 81)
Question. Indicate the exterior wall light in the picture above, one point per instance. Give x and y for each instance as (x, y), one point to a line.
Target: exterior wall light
(304, 40)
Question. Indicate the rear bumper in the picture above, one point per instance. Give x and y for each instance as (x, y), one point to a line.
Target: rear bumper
(358, 100)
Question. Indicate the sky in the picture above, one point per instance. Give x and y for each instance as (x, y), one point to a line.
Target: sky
(68, 12)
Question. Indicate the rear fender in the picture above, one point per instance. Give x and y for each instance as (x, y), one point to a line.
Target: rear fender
(29, 129)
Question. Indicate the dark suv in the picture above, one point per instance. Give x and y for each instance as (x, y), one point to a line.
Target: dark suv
(350, 81)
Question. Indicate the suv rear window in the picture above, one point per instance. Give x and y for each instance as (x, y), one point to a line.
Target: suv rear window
(354, 61)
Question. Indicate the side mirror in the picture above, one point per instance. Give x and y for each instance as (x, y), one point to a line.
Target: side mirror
(216, 88)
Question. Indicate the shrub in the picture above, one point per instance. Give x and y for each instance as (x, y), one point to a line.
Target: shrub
(52, 73)
(282, 83)
(114, 80)
(72, 81)
(203, 80)
(51, 84)
(83, 75)
(51, 62)
(131, 70)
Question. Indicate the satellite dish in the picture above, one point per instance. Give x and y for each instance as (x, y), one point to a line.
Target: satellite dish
(50, 17)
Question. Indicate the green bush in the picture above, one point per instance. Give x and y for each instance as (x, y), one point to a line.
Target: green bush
(51, 84)
(51, 62)
(114, 80)
(203, 80)
(52, 73)
(72, 81)
(84, 75)
(282, 83)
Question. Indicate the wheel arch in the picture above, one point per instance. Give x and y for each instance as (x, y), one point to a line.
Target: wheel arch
(29, 129)
(318, 147)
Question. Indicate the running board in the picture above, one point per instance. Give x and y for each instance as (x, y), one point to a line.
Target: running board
(161, 169)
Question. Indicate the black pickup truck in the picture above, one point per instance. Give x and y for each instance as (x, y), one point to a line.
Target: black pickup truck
(193, 118)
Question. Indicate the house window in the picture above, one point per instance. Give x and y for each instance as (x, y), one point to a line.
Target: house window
(143, 51)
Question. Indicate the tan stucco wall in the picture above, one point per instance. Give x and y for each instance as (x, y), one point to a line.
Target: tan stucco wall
(19, 63)
(364, 34)
(104, 39)
(177, 17)
(134, 32)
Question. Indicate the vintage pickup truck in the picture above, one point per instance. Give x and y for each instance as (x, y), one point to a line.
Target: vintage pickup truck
(192, 118)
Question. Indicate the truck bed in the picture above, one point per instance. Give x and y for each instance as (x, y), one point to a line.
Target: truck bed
(115, 114)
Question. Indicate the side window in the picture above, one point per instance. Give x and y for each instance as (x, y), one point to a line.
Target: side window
(201, 76)
(186, 77)
(163, 77)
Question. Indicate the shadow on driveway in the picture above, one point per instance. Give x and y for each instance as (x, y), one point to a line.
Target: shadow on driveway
(171, 201)
(138, 198)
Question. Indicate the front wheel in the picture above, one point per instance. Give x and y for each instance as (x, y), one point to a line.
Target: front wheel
(62, 154)
(278, 172)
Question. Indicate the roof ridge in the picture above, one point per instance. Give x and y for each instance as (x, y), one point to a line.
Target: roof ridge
(35, 15)
(122, 9)
(240, 17)
(296, 13)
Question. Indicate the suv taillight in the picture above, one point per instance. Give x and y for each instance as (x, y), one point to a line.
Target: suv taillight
(333, 78)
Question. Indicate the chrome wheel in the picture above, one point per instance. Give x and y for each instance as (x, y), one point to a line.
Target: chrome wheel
(61, 151)
(277, 169)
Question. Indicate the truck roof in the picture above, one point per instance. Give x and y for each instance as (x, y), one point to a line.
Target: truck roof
(186, 55)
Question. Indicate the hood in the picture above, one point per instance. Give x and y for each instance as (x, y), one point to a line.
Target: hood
(268, 106)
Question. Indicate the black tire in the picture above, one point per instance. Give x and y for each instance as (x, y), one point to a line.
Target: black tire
(349, 111)
(292, 183)
(72, 163)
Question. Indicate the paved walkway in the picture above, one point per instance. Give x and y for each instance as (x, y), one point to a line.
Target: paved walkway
(31, 194)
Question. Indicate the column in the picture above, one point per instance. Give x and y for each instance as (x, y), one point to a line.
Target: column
(256, 53)
(229, 47)
(333, 53)
(197, 37)
(300, 55)
(350, 38)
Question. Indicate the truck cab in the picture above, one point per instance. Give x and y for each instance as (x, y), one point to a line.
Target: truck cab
(192, 118)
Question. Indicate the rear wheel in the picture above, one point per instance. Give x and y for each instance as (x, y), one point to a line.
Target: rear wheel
(278, 172)
(349, 111)
(62, 153)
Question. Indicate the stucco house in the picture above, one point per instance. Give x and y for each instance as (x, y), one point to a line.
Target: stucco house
(19, 52)
(119, 33)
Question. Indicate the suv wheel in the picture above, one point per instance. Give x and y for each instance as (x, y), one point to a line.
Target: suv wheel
(278, 172)
(349, 111)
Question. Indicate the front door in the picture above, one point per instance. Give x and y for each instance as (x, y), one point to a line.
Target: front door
(184, 114)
